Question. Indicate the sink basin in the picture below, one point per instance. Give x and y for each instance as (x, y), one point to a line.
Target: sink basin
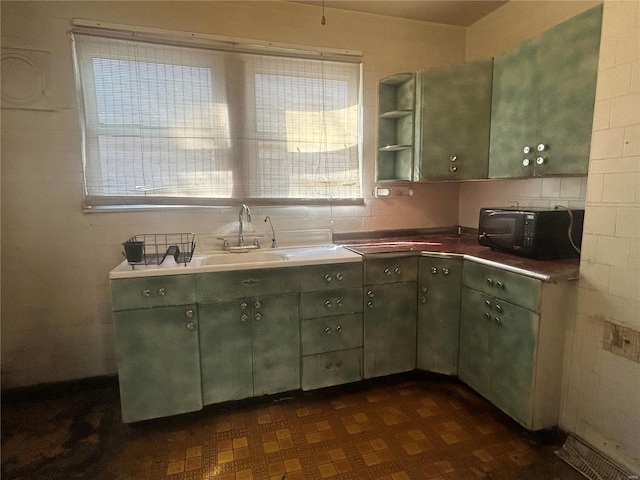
(243, 258)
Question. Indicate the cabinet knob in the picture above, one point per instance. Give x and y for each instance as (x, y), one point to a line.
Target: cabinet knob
(244, 317)
(487, 303)
(397, 271)
(338, 328)
(339, 302)
(257, 304)
(328, 303)
(424, 289)
(146, 293)
(258, 316)
(498, 308)
(540, 160)
(453, 158)
(328, 366)
(387, 271)
(541, 147)
(244, 306)
(498, 321)
(370, 293)
(487, 315)
(445, 271)
(423, 299)
(499, 285)
(328, 277)
(526, 150)
(339, 364)
(370, 304)
(434, 270)
(489, 282)
(453, 168)
(339, 276)
(526, 162)
(327, 330)
(190, 326)
(162, 292)
(188, 313)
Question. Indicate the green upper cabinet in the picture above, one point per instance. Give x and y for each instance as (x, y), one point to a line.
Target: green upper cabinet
(454, 118)
(543, 101)
(396, 116)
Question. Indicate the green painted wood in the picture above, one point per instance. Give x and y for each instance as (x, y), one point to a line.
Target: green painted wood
(474, 361)
(246, 283)
(331, 277)
(332, 368)
(147, 292)
(330, 303)
(226, 355)
(514, 334)
(390, 329)
(439, 290)
(276, 344)
(390, 270)
(455, 121)
(158, 362)
(320, 335)
(569, 69)
(514, 110)
(512, 287)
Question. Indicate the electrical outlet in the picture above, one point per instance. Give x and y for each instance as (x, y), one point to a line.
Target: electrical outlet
(622, 341)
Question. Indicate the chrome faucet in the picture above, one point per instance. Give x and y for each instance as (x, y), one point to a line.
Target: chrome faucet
(244, 208)
(274, 244)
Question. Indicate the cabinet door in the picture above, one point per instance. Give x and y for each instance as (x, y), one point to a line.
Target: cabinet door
(513, 347)
(439, 314)
(474, 361)
(455, 121)
(514, 110)
(390, 329)
(567, 93)
(158, 362)
(276, 344)
(225, 345)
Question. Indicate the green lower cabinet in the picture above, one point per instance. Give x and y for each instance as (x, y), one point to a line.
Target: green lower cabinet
(498, 352)
(439, 314)
(389, 329)
(332, 368)
(158, 362)
(249, 347)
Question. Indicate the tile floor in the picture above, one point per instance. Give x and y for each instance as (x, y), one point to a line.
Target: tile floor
(391, 429)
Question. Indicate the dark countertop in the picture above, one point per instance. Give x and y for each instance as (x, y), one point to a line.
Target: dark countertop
(467, 245)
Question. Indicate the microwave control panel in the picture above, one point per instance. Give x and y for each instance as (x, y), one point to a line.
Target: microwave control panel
(529, 229)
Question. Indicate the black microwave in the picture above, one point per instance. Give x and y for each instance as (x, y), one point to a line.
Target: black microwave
(532, 232)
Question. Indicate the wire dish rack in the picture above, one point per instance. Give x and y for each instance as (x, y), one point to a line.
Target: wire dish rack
(153, 249)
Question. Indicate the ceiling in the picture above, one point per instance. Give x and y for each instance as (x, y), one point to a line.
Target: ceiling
(450, 12)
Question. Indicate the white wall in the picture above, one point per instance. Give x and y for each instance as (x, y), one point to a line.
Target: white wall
(602, 395)
(56, 319)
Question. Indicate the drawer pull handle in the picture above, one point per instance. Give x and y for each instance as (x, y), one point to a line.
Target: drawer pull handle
(162, 292)
(370, 293)
(387, 271)
(339, 364)
(328, 303)
(487, 315)
(498, 321)
(327, 330)
(338, 328)
(258, 316)
(487, 303)
(489, 281)
(244, 318)
(328, 277)
(498, 308)
(499, 285)
(146, 293)
(370, 304)
(328, 366)
(250, 281)
(191, 326)
(339, 302)
(397, 270)
(188, 313)
(339, 276)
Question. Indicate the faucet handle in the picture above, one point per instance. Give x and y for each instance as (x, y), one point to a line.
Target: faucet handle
(225, 242)
(256, 240)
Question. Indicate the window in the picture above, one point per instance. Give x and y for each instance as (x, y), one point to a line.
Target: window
(175, 124)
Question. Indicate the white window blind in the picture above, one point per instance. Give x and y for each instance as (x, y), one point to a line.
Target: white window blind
(169, 124)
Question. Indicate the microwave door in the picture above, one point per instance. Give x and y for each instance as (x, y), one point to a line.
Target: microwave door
(502, 230)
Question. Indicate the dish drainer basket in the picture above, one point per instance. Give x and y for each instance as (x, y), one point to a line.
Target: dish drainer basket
(153, 249)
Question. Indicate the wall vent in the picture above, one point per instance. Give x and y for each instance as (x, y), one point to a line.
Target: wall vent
(591, 464)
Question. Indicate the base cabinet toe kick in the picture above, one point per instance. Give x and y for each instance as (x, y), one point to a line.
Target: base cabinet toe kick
(191, 340)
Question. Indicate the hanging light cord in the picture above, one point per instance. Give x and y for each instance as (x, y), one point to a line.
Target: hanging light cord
(323, 20)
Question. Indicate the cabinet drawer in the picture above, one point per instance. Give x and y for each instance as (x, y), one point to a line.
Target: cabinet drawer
(330, 303)
(331, 276)
(148, 292)
(329, 334)
(514, 288)
(246, 283)
(390, 270)
(328, 369)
